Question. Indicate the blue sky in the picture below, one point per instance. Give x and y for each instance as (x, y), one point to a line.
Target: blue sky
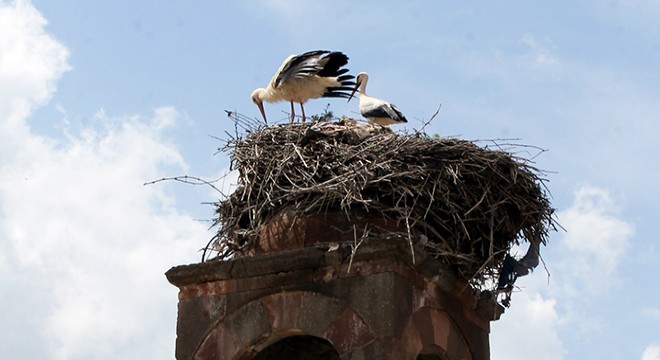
(98, 98)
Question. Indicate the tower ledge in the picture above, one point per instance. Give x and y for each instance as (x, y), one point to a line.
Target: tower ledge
(384, 307)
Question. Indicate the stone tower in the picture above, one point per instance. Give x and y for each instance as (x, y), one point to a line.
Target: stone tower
(348, 241)
(313, 299)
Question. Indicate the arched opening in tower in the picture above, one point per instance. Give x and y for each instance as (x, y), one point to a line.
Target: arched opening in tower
(432, 353)
(299, 348)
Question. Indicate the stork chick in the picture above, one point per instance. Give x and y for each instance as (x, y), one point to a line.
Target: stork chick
(376, 111)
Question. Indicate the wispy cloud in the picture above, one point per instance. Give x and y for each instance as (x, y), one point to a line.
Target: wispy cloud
(651, 312)
(540, 57)
(531, 58)
(652, 352)
(640, 15)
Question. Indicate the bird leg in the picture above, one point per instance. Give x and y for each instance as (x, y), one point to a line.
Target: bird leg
(303, 112)
(293, 114)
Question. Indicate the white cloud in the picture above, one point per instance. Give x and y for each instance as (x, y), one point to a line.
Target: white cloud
(583, 263)
(84, 243)
(586, 259)
(95, 242)
(31, 61)
(595, 240)
(652, 352)
(528, 330)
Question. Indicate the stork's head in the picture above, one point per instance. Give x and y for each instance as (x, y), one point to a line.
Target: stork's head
(257, 99)
(360, 81)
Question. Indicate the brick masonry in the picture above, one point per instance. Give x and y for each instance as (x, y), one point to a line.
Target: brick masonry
(383, 307)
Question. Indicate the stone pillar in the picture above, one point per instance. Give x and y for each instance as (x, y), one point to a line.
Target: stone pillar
(304, 300)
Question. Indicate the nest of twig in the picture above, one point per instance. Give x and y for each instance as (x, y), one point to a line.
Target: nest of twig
(465, 204)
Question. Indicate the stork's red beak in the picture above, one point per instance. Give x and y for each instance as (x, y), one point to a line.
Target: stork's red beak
(357, 85)
(260, 105)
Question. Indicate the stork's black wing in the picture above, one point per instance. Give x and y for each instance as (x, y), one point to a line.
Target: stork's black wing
(301, 65)
(386, 110)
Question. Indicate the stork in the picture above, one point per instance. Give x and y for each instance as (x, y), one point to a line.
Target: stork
(311, 75)
(376, 111)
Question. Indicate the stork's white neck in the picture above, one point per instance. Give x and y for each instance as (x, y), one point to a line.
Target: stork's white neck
(364, 78)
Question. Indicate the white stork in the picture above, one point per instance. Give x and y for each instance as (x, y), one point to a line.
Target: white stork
(311, 75)
(377, 111)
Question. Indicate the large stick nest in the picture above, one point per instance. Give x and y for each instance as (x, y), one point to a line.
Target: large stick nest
(465, 204)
